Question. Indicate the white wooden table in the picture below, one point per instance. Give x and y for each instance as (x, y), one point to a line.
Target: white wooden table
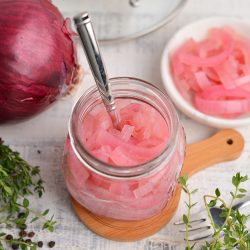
(47, 131)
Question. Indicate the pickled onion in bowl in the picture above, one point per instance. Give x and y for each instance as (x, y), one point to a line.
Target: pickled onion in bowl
(214, 73)
(181, 91)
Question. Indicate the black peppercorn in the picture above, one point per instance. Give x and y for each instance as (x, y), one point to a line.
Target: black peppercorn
(15, 246)
(40, 244)
(28, 241)
(51, 244)
(9, 237)
(38, 151)
(23, 233)
(31, 234)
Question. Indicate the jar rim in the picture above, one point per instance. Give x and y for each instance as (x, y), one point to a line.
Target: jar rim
(109, 170)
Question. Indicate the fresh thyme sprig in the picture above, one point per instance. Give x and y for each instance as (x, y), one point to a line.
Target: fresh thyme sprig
(18, 180)
(186, 217)
(233, 232)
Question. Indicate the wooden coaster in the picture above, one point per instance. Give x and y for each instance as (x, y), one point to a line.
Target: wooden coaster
(223, 146)
(127, 230)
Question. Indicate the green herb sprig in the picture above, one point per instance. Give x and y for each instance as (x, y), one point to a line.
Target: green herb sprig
(186, 217)
(233, 232)
(18, 180)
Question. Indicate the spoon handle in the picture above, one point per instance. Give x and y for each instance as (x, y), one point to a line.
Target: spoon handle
(92, 52)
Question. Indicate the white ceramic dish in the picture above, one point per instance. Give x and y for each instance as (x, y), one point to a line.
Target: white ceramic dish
(198, 30)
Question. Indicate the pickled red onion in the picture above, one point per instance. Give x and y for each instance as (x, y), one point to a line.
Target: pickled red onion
(140, 138)
(218, 91)
(215, 73)
(222, 107)
(202, 80)
(196, 60)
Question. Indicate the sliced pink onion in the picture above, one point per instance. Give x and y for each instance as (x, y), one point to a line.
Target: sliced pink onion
(219, 91)
(127, 132)
(190, 59)
(242, 80)
(215, 73)
(203, 80)
(222, 107)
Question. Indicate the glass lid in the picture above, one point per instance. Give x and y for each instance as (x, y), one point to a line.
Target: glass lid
(116, 20)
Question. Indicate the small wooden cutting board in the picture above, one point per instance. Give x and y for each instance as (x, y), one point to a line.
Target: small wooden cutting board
(225, 145)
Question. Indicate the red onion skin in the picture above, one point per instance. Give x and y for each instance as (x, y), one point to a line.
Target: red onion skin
(37, 57)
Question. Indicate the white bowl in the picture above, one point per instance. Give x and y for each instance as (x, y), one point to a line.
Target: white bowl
(198, 30)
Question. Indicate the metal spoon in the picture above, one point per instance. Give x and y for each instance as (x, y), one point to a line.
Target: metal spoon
(92, 51)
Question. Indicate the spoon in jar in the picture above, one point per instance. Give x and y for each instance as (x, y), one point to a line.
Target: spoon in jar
(92, 52)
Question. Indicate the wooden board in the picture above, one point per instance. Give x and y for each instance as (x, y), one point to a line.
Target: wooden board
(225, 145)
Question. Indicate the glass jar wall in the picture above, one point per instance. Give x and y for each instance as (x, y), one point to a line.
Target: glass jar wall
(112, 183)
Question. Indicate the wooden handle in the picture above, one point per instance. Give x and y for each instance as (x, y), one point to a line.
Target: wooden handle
(226, 145)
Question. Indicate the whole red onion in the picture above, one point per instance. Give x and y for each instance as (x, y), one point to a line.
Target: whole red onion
(37, 57)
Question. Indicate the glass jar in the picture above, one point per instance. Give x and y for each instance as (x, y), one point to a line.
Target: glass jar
(124, 193)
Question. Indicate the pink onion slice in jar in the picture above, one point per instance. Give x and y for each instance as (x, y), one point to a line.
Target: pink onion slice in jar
(142, 140)
(129, 145)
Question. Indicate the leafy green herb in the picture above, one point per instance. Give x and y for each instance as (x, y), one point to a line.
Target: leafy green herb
(233, 231)
(18, 180)
(186, 217)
